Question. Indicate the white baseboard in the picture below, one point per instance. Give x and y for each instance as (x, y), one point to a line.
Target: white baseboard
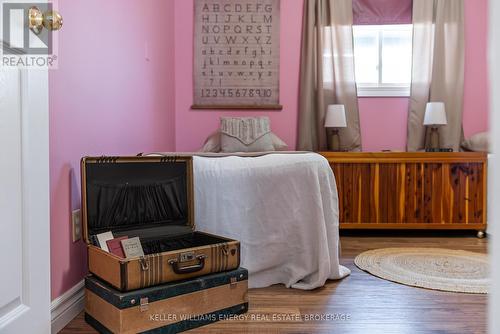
(66, 307)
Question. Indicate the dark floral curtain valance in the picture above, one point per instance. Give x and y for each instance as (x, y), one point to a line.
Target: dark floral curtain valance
(373, 12)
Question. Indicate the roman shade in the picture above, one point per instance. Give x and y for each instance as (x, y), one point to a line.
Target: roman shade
(373, 12)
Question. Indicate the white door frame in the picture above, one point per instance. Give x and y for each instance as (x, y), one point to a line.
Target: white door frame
(494, 163)
(30, 311)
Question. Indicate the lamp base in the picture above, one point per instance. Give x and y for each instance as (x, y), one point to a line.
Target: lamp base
(433, 139)
(334, 141)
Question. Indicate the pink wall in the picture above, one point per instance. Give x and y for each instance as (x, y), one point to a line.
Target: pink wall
(193, 127)
(383, 123)
(105, 98)
(377, 114)
(476, 87)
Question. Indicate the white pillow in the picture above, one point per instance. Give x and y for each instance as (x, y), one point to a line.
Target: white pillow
(278, 143)
(212, 144)
(479, 142)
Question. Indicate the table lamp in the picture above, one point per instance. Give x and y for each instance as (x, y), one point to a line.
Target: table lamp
(435, 116)
(335, 119)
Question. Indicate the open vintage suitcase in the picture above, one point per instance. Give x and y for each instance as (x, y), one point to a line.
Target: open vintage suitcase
(150, 198)
(168, 308)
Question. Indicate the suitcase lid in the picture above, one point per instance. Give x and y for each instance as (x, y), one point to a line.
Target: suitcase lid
(137, 196)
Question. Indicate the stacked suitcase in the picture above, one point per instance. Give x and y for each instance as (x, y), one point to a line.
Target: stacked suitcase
(185, 279)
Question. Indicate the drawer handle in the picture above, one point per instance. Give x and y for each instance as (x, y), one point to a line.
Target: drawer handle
(188, 269)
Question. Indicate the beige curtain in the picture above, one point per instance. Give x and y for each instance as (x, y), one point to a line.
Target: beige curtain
(327, 73)
(438, 69)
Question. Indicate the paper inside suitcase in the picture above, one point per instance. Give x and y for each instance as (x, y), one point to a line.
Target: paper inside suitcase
(146, 197)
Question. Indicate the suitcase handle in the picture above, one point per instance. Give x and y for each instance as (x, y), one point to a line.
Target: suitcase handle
(188, 269)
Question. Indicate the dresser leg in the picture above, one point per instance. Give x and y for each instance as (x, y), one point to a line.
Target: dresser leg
(481, 234)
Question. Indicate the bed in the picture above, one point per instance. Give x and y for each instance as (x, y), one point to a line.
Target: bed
(283, 208)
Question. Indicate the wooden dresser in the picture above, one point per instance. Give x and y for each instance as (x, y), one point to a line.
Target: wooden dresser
(411, 190)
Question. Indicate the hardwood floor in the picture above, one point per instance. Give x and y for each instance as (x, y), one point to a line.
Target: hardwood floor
(360, 303)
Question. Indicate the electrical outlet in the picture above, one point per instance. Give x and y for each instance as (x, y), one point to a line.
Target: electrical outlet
(76, 223)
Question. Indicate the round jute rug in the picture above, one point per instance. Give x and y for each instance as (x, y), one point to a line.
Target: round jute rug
(430, 268)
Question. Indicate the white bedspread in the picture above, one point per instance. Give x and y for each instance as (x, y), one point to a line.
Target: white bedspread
(284, 210)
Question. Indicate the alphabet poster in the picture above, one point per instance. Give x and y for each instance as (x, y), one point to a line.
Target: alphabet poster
(236, 54)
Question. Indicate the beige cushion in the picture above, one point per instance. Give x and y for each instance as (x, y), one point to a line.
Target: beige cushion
(212, 144)
(479, 142)
(245, 134)
(254, 132)
(232, 145)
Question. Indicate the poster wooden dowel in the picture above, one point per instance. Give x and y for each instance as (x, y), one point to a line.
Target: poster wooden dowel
(237, 107)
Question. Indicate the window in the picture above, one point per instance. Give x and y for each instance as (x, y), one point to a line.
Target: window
(382, 57)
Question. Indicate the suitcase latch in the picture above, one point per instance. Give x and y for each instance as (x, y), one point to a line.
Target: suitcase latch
(144, 263)
(232, 282)
(144, 304)
(186, 257)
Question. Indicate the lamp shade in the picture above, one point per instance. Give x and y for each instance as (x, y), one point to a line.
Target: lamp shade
(435, 114)
(335, 116)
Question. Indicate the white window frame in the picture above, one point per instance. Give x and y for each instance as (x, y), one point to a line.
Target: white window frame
(383, 90)
(380, 89)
